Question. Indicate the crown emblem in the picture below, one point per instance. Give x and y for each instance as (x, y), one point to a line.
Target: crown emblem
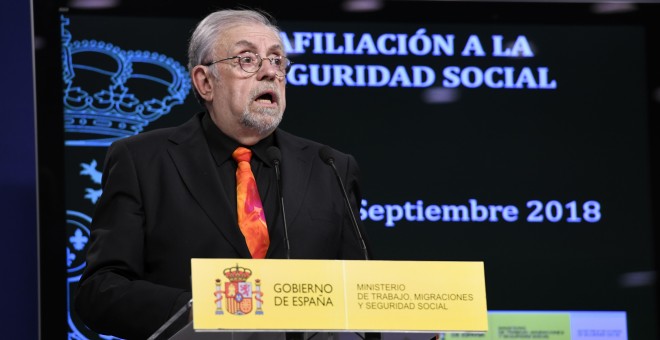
(237, 274)
(110, 93)
(238, 293)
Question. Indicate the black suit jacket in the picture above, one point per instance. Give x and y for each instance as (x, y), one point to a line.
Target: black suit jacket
(164, 204)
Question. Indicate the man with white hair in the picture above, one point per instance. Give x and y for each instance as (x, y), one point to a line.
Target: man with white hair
(209, 189)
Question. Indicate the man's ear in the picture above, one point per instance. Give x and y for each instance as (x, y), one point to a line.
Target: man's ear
(202, 81)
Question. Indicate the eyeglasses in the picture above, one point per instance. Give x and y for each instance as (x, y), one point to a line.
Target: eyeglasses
(251, 62)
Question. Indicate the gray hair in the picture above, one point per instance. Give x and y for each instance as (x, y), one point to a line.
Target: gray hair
(205, 36)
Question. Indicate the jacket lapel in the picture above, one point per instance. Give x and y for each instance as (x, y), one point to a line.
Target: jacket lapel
(191, 156)
(297, 164)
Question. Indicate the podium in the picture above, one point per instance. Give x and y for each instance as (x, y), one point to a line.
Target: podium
(188, 333)
(246, 299)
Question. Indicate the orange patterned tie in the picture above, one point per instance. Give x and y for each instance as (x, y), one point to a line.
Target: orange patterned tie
(251, 218)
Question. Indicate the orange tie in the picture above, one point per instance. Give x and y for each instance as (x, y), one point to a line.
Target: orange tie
(251, 218)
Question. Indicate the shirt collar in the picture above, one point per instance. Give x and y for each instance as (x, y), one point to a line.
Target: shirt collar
(222, 146)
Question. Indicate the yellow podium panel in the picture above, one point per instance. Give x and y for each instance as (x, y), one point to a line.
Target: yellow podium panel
(338, 295)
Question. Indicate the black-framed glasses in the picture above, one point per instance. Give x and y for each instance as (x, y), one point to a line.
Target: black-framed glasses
(251, 62)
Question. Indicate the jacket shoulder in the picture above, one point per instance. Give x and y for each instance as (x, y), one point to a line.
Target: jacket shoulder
(287, 139)
(163, 136)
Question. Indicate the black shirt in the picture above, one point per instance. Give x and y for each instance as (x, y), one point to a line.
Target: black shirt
(222, 146)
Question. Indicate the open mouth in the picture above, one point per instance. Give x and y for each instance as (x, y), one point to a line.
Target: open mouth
(266, 98)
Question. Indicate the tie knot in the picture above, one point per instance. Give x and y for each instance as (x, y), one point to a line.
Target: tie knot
(242, 154)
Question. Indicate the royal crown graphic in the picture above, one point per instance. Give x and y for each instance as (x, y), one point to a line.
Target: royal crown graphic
(110, 93)
(238, 292)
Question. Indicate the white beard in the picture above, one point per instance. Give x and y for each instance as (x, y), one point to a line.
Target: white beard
(263, 120)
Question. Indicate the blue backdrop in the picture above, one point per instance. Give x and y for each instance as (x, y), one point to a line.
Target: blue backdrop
(18, 255)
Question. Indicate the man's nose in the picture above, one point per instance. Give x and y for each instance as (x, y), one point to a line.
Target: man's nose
(270, 68)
